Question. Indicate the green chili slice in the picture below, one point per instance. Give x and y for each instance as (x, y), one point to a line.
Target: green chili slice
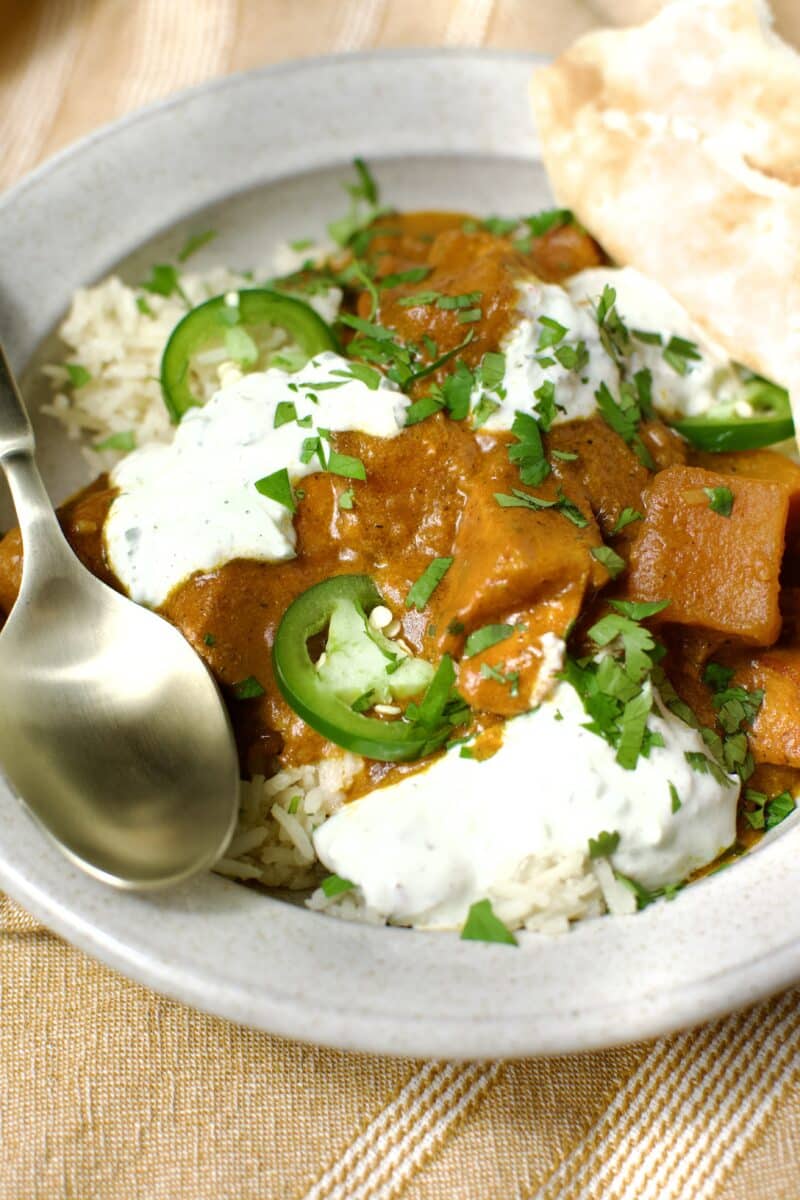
(722, 428)
(397, 740)
(237, 326)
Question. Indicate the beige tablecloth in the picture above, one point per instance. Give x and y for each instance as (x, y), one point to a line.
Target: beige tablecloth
(109, 1092)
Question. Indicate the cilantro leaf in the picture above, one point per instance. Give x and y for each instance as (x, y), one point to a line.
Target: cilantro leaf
(278, 487)
(612, 561)
(681, 354)
(346, 466)
(248, 689)
(78, 375)
(118, 441)
(195, 242)
(550, 218)
(638, 610)
(720, 500)
(528, 453)
(633, 725)
(421, 592)
(603, 845)
(675, 800)
(488, 635)
(336, 885)
(492, 370)
(482, 925)
(699, 761)
(626, 517)
(285, 412)
(718, 677)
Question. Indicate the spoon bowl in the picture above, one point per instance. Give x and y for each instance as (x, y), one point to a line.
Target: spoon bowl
(112, 730)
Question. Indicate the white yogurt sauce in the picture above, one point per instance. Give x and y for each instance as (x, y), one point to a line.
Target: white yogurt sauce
(192, 505)
(426, 848)
(642, 304)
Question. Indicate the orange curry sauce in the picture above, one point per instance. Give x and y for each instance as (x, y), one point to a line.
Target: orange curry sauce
(429, 493)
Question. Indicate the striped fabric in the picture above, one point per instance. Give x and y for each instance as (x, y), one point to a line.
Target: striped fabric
(112, 1093)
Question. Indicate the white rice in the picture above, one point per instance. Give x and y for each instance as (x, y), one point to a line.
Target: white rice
(120, 346)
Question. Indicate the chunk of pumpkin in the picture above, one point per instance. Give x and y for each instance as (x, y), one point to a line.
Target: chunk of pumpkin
(719, 573)
(775, 737)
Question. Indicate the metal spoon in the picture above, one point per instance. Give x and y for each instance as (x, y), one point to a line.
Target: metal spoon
(112, 731)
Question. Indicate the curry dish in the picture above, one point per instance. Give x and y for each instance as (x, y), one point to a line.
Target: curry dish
(608, 551)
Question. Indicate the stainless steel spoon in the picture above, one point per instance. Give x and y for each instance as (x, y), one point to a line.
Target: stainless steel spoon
(112, 731)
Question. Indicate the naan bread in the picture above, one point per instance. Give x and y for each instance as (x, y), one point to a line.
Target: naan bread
(677, 144)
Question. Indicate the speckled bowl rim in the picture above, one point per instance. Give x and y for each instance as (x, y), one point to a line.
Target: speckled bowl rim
(728, 941)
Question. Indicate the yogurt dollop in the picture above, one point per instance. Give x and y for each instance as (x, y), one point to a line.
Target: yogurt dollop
(192, 505)
(426, 848)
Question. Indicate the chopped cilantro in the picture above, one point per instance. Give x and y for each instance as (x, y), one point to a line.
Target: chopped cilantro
(736, 707)
(675, 800)
(78, 375)
(143, 307)
(294, 805)
(562, 504)
(468, 316)
(550, 218)
(718, 677)
(528, 453)
(778, 809)
(209, 639)
(310, 447)
(165, 281)
(546, 406)
(623, 416)
(483, 410)
(612, 561)
(644, 897)
(572, 358)
(195, 242)
(248, 689)
(456, 391)
(421, 592)
(364, 701)
(421, 409)
(346, 466)
(614, 336)
(564, 455)
(499, 675)
(413, 275)
(701, 762)
(488, 635)
(720, 500)
(364, 202)
(492, 370)
(551, 334)
(482, 925)
(626, 517)
(681, 354)
(278, 487)
(365, 374)
(603, 845)
(638, 610)
(284, 413)
(633, 726)
(335, 885)
(347, 499)
(118, 441)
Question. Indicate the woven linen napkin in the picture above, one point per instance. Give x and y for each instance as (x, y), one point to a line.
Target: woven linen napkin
(110, 1092)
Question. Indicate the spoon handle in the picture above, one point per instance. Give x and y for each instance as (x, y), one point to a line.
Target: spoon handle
(16, 435)
(46, 549)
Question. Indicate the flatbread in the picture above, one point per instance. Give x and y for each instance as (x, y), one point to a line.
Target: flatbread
(677, 145)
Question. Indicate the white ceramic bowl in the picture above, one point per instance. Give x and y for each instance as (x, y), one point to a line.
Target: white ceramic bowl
(261, 157)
